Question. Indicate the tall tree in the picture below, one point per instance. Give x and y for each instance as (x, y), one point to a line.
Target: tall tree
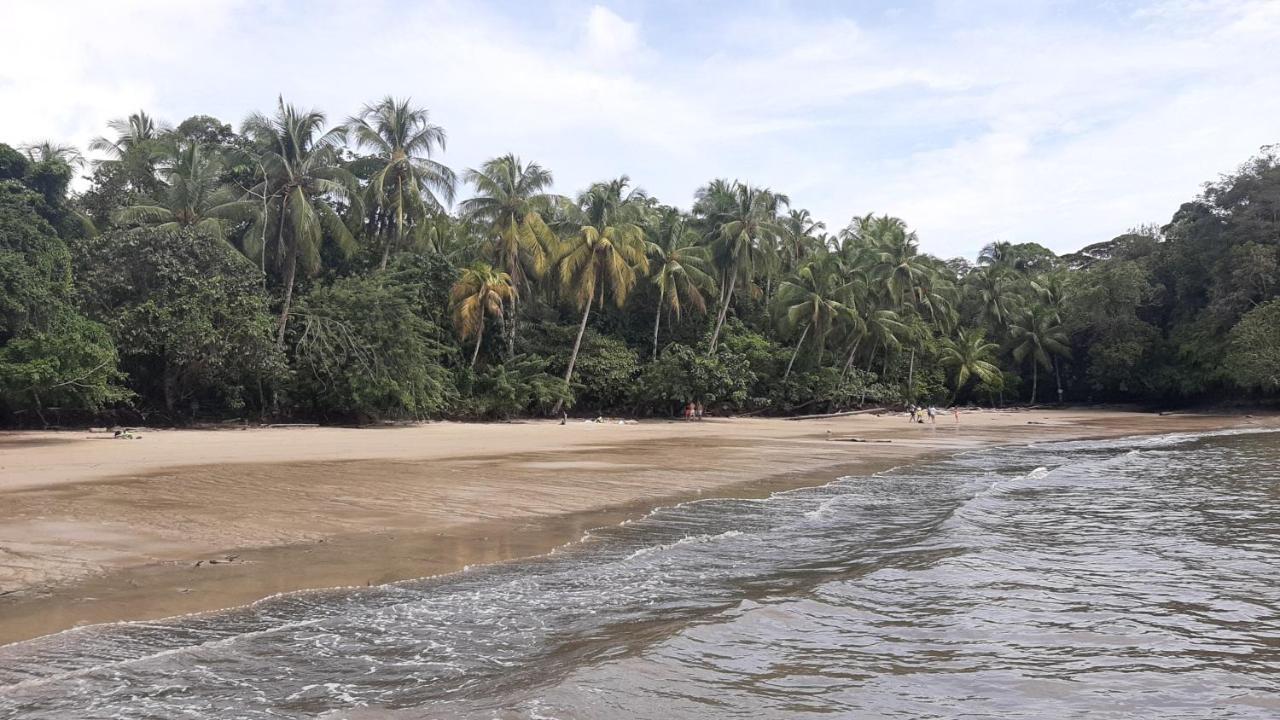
(480, 292)
(302, 175)
(138, 143)
(679, 267)
(603, 253)
(407, 184)
(511, 205)
(814, 299)
(744, 222)
(193, 197)
(969, 355)
(1038, 335)
(47, 150)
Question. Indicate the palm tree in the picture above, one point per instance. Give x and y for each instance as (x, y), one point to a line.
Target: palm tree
(47, 150)
(815, 298)
(744, 222)
(800, 238)
(1038, 334)
(138, 143)
(1053, 293)
(406, 183)
(194, 196)
(969, 355)
(481, 291)
(301, 174)
(603, 254)
(511, 205)
(679, 268)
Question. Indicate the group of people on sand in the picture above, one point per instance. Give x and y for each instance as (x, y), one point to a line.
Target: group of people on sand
(918, 414)
(693, 411)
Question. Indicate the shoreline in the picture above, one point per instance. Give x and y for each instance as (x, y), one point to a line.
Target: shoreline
(95, 532)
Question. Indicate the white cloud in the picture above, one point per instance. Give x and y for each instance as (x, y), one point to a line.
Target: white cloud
(1024, 125)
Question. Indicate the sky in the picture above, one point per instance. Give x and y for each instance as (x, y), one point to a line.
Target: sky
(1062, 123)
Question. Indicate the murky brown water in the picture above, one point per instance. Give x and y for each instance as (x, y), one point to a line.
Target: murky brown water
(1114, 579)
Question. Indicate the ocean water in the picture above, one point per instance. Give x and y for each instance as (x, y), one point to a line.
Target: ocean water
(1132, 578)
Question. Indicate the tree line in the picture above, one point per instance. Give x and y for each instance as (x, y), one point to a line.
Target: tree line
(340, 271)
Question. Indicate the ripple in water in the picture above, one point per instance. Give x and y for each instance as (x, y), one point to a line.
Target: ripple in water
(1114, 579)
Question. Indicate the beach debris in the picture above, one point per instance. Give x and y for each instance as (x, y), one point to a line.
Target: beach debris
(837, 414)
(126, 434)
(225, 559)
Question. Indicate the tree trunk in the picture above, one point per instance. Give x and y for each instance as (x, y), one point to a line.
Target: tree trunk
(724, 310)
(911, 376)
(1057, 376)
(657, 319)
(479, 336)
(386, 247)
(290, 270)
(573, 357)
(511, 336)
(170, 386)
(1035, 379)
(796, 352)
(870, 359)
(848, 364)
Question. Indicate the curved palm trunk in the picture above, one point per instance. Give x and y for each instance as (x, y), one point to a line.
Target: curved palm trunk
(1035, 380)
(724, 310)
(911, 376)
(291, 269)
(657, 319)
(848, 364)
(386, 247)
(479, 336)
(1057, 376)
(796, 352)
(511, 328)
(573, 357)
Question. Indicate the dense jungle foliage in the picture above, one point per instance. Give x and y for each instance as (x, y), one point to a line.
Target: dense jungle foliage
(341, 272)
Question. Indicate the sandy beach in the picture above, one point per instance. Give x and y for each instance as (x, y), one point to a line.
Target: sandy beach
(94, 529)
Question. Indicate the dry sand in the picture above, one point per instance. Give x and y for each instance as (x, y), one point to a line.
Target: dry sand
(94, 529)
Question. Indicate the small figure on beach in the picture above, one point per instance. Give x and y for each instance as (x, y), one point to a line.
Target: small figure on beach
(698, 410)
(955, 410)
(688, 411)
(933, 415)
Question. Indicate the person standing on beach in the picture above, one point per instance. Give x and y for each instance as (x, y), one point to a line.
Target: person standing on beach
(933, 415)
(955, 410)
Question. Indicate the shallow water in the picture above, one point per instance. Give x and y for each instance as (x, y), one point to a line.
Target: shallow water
(1131, 578)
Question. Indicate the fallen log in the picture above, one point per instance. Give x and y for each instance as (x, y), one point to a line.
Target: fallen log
(837, 414)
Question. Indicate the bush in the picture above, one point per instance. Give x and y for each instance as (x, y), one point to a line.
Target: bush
(519, 386)
(1253, 359)
(682, 375)
(360, 351)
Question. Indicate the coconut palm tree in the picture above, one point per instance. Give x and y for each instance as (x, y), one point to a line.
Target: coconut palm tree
(511, 205)
(138, 144)
(744, 222)
(1038, 335)
(302, 174)
(603, 254)
(480, 292)
(193, 197)
(1053, 292)
(801, 235)
(679, 268)
(46, 150)
(406, 184)
(815, 298)
(969, 355)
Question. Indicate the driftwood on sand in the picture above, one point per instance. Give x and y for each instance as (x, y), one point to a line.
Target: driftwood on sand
(837, 414)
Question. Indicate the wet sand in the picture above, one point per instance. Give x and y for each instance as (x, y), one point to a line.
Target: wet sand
(98, 530)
